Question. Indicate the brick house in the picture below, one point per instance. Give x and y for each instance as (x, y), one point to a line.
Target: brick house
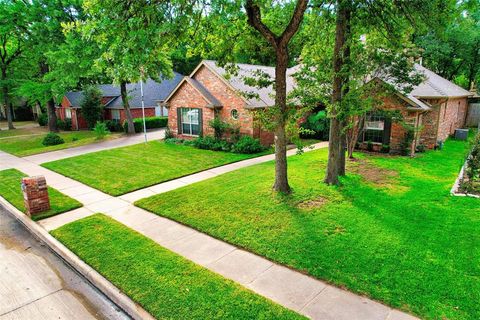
(154, 99)
(209, 92)
(436, 107)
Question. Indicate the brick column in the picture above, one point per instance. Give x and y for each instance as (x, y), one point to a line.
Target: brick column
(35, 195)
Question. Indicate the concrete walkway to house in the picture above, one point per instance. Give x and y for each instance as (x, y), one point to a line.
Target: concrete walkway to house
(292, 289)
(94, 147)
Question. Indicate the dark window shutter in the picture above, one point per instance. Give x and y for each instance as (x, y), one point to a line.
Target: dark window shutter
(179, 120)
(387, 129)
(200, 123)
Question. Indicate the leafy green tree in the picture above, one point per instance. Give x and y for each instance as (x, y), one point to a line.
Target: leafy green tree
(92, 107)
(135, 39)
(13, 37)
(279, 43)
(343, 70)
(49, 78)
(453, 49)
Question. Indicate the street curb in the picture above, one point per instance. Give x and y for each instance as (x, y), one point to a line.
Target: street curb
(96, 279)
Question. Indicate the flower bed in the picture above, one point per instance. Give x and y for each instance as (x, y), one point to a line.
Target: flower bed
(470, 182)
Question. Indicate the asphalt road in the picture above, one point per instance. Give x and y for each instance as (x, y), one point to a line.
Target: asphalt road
(36, 284)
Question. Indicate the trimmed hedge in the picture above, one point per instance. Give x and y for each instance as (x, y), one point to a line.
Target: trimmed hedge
(150, 122)
(245, 145)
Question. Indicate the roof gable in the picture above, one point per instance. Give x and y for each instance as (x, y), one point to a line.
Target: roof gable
(207, 96)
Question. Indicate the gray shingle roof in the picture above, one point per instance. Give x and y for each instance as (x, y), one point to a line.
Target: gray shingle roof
(153, 92)
(265, 97)
(435, 86)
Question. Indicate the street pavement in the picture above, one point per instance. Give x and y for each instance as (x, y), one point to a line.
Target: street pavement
(36, 284)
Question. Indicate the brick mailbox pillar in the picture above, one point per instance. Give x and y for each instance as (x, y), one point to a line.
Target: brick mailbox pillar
(35, 195)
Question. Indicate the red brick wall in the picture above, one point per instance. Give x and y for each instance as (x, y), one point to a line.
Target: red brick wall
(397, 133)
(229, 98)
(188, 97)
(443, 119)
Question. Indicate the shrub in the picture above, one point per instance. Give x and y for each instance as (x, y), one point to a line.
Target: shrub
(210, 143)
(150, 123)
(369, 146)
(421, 148)
(168, 133)
(74, 138)
(316, 126)
(92, 107)
(64, 124)
(101, 130)
(219, 126)
(113, 126)
(385, 148)
(174, 141)
(52, 139)
(43, 119)
(247, 144)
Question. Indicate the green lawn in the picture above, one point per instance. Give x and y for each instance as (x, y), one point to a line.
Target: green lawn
(164, 283)
(393, 234)
(10, 189)
(14, 141)
(122, 170)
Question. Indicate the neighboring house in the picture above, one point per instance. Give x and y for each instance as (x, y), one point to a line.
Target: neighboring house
(209, 91)
(154, 99)
(436, 107)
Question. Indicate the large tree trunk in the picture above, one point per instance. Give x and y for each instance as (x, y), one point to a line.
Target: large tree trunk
(280, 44)
(52, 116)
(473, 66)
(281, 177)
(126, 107)
(336, 152)
(8, 110)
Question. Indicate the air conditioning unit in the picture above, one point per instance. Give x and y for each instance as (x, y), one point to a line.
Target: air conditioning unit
(461, 134)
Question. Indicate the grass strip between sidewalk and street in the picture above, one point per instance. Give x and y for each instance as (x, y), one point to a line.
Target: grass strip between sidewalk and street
(162, 282)
(11, 190)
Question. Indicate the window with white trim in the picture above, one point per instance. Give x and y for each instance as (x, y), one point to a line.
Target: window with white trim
(68, 113)
(190, 121)
(374, 128)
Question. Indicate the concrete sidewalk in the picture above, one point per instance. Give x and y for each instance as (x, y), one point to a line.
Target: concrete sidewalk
(308, 296)
(94, 147)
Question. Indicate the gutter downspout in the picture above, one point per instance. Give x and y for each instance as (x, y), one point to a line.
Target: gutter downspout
(438, 118)
(76, 120)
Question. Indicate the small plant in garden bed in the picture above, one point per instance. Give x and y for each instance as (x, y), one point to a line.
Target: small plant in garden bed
(101, 130)
(245, 144)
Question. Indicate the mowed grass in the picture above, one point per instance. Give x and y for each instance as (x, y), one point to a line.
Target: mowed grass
(122, 170)
(17, 143)
(394, 234)
(164, 283)
(10, 189)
